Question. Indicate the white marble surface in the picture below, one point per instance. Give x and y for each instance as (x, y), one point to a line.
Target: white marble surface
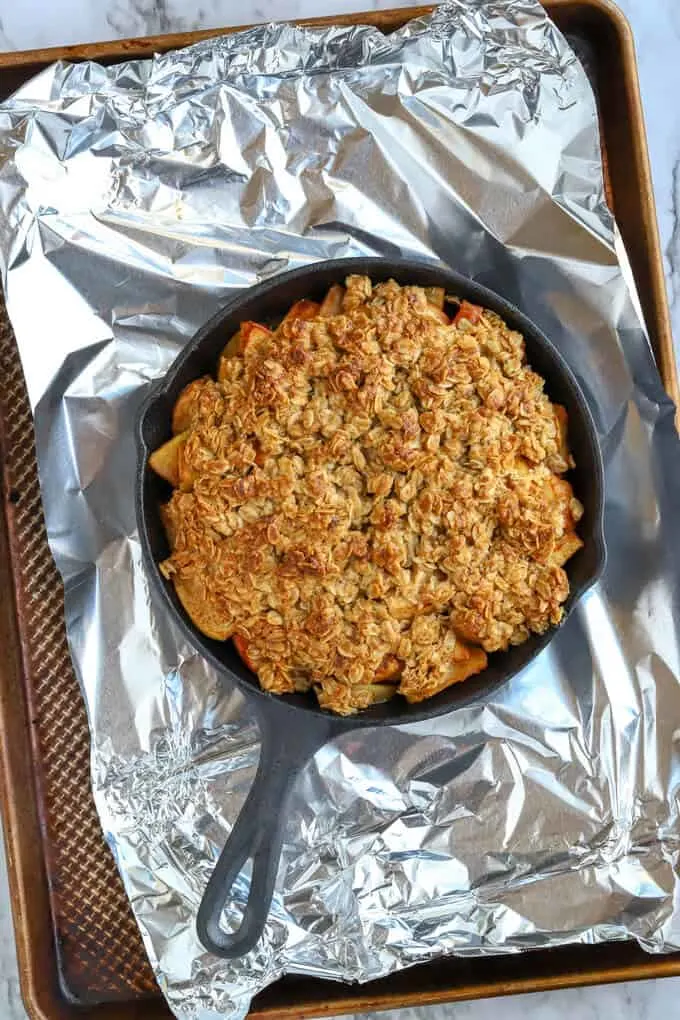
(25, 24)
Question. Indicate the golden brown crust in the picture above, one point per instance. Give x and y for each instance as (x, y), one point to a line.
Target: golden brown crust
(371, 496)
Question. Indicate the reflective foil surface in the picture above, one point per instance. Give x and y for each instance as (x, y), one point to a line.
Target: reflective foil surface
(134, 200)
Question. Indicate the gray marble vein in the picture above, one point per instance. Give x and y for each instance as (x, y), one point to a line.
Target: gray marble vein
(656, 24)
(673, 246)
(11, 1007)
(150, 17)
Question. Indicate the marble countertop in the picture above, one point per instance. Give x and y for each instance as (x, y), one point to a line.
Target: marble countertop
(656, 25)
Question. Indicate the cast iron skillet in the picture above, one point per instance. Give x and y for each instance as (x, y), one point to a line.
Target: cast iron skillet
(294, 727)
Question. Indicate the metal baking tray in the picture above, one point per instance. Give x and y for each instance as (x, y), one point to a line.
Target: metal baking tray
(80, 953)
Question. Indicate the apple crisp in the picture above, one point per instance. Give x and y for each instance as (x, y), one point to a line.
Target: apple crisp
(370, 498)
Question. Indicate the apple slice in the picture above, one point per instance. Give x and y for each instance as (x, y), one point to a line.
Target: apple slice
(469, 660)
(472, 313)
(184, 405)
(389, 669)
(332, 303)
(241, 646)
(201, 613)
(303, 310)
(165, 461)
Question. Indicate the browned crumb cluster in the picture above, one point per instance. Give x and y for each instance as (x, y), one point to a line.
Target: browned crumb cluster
(369, 497)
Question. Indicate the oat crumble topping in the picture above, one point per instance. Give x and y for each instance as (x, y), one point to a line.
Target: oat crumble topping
(370, 498)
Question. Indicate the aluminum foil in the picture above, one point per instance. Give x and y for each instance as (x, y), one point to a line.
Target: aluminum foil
(134, 200)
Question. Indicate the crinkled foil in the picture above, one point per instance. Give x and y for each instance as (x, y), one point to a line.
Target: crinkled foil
(134, 200)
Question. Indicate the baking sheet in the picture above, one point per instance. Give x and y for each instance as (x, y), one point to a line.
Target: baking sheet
(648, 423)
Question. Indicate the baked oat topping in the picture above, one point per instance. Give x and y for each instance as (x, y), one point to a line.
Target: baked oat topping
(369, 498)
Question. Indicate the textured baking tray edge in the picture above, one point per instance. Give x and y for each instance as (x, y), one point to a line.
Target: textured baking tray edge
(623, 130)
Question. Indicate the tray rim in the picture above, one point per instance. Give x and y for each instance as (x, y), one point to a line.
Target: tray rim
(18, 796)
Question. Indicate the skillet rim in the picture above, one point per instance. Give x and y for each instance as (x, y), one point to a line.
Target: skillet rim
(473, 690)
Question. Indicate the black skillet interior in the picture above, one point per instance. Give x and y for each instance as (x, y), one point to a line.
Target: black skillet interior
(298, 716)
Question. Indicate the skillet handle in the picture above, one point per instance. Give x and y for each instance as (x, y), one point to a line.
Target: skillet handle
(286, 746)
